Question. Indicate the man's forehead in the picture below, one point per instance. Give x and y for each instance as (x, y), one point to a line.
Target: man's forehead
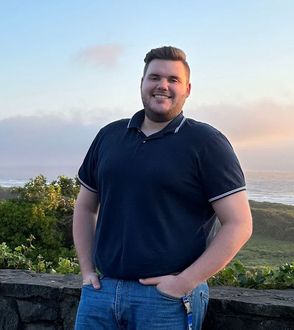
(158, 66)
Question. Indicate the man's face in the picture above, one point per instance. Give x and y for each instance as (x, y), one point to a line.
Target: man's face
(164, 89)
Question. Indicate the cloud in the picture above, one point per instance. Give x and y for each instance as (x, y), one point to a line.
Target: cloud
(51, 144)
(258, 123)
(102, 55)
(271, 157)
(261, 134)
(43, 142)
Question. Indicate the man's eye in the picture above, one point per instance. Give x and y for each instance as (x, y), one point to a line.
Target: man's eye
(174, 80)
(153, 78)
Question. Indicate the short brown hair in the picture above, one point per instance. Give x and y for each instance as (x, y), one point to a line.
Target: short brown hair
(166, 53)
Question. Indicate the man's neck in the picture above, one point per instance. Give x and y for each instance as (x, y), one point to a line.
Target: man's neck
(150, 127)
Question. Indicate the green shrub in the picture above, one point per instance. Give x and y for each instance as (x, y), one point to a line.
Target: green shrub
(43, 210)
(67, 266)
(19, 220)
(21, 257)
(236, 274)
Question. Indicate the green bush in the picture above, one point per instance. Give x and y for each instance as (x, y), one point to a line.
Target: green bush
(19, 220)
(22, 257)
(67, 266)
(43, 210)
(236, 274)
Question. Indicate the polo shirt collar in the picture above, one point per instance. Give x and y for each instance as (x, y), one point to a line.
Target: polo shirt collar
(173, 127)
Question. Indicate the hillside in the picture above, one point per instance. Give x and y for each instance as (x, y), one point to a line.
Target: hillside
(273, 220)
(272, 242)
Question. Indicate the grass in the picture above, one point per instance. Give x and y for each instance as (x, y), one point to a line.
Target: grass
(265, 251)
(272, 242)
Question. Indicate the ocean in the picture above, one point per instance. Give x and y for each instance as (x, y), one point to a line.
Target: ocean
(262, 186)
(271, 186)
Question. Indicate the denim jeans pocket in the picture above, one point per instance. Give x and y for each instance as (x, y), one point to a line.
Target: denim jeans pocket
(204, 296)
(166, 295)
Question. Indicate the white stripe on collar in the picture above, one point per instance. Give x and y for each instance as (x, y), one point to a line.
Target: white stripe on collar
(181, 123)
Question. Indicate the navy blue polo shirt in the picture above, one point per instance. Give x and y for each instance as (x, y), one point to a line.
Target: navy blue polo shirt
(155, 194)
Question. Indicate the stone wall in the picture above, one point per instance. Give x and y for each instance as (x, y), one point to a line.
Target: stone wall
(248, 309)
(33, 301)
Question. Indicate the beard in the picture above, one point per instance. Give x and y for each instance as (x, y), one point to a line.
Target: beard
(157, 117)
(161, 117)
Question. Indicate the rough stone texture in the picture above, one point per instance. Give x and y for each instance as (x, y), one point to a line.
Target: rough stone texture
(33, 301)
(237, 308)
(41, 326)
(8, 316)
(37, 311)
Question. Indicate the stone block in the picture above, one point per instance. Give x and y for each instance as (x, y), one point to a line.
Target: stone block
(42, 326)
(37, 311)
(69, 308)
(8, 315)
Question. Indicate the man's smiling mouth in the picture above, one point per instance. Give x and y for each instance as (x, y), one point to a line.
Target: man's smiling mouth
(161, 96)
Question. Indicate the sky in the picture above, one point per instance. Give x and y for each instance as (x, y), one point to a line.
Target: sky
(70, 67)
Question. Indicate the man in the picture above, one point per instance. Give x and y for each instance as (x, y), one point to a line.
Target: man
(158, 180)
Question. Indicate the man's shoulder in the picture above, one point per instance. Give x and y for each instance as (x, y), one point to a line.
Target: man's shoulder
(110, 129)
(116, 126)
(121, 123)
(198, 128)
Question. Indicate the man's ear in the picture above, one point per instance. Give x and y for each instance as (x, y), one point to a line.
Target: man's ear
(188, 89)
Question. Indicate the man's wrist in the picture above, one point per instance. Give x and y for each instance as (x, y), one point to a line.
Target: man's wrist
(88, 271)
(187, 284)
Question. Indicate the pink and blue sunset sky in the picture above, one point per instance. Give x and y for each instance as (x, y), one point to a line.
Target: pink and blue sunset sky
(69, 67)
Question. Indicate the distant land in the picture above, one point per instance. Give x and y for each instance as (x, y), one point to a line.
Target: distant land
(272, 242)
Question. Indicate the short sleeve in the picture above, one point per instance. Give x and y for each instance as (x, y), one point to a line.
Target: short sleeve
(220, 170)
(87, 172)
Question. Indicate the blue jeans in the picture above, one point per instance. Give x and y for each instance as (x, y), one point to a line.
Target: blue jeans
(121, 304)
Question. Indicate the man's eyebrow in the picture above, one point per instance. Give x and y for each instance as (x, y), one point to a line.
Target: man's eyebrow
(159, 75)
(175, 77)
(153, 75)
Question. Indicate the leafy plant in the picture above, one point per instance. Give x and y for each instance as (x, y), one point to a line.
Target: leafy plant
(21, 258)
(67, 266)
(236, 274)
(43, 210)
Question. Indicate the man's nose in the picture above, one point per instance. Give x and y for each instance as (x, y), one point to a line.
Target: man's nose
(163, 84)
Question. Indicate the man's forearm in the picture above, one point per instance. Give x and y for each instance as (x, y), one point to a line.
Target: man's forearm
(84, 223)
(221, 251)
